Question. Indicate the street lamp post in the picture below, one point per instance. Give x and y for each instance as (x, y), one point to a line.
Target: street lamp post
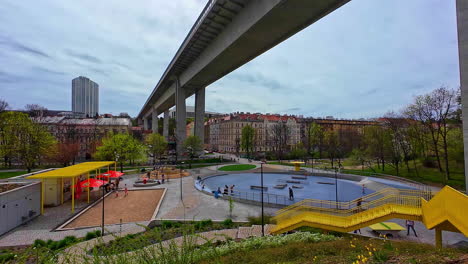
(261, 183)
(336, 187)
(103, 194)
(180, 176)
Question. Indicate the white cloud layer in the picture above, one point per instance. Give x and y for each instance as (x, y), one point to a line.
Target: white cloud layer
(364, 59)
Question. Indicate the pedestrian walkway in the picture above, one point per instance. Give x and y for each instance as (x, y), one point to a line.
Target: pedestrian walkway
(78, 253)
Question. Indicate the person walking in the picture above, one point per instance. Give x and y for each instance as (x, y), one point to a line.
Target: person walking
(126, 191)
(410, 225)
(232, 189)
(363, 189)
(291, 194)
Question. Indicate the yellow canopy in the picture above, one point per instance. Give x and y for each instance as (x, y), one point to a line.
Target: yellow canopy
(387, 226)
(296, 162)
(72, 171)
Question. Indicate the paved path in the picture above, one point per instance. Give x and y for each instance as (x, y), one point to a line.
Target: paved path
(196, 205)
(77, 253)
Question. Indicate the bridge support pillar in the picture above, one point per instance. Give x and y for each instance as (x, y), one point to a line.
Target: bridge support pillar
(462, 22)
(438, 237)
(154, 121)
(199, 130)
(166, 125)
(145, 123)
(181, 118)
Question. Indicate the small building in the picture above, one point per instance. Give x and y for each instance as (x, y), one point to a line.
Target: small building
(19, 203)
(61, 185)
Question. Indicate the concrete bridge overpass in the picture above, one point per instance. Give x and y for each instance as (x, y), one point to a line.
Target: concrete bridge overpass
(229, 33)
(226, 35)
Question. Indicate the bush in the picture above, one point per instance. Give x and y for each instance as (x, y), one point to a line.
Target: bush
(39, 243)
(92, 234)
(6, 256)
(257, 220)
(227, 223)
(70, 239)
(201, 225)
(166, 224)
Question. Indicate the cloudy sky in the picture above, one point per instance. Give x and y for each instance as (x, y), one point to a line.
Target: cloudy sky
(364, 59)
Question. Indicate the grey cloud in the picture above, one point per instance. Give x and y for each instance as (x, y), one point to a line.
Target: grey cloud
(82, 56)
(48, 71)
(258, 79)
(14, 45)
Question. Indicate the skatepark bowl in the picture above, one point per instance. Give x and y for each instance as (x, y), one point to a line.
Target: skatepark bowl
(276, 187)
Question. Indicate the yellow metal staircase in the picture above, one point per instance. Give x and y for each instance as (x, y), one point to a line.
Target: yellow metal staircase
(447, 210)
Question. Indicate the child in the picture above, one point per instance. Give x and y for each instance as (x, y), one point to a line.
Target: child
(126, 191)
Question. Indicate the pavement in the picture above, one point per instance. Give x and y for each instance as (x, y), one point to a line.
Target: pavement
(191, 205)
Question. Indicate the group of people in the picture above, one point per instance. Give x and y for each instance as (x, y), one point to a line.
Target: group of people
(148, 176)
(227, 190)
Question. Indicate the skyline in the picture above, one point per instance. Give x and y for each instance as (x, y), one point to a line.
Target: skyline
(407, 56)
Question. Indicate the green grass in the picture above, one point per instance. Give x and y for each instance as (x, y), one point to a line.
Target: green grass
(426, 175)
(9, 174)
(344, 250)
(237, 167)
(423, 174)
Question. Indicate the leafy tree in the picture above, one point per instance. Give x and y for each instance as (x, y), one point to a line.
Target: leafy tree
(315, 137)
(358, 157)
(121, 148)
(192, 146)
(298, 152)
(455, 144)
(248, 139)
(376, 139)
(333, 146)
(156, 144)
(23, 140)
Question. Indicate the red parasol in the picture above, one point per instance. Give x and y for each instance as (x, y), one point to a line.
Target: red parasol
(92, 183)
(110, 174)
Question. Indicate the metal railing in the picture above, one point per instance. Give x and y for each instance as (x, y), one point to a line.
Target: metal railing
(268, 198)
(404, 197)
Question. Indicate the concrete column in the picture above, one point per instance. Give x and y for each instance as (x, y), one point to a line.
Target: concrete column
(166, 125)
(199, 130)
(462, 21)
(154, 123)
(181, 117)
(145, 123)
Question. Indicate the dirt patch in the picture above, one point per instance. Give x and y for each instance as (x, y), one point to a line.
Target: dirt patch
(169, 173)
(9, 187)
(138, 205)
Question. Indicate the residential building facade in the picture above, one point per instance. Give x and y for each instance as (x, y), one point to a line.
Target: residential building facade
(224, 133)
(86, 132)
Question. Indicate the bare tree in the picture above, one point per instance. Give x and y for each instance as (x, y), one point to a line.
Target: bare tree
(35, 110)
(3, 105)
(434, 110)
(279, 135)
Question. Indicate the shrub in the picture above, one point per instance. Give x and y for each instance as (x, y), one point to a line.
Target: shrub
(6, 256)
(203, 224)
(166, 224)
(257, 220)
(98, 233)
(70, 239)
(39, 243)
(227, 223)
(91, 235)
